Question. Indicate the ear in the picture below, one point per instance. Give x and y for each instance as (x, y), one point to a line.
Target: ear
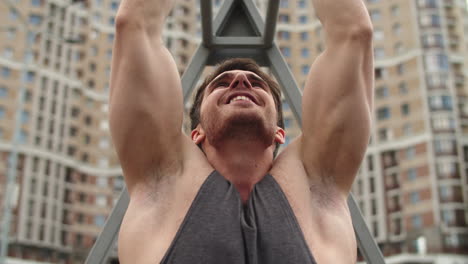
(279, 135)
(198, 135)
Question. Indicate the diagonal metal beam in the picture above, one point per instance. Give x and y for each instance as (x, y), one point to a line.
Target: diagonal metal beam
(369, 249)
(106, 240)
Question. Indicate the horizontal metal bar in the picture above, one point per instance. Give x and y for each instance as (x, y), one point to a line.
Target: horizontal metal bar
(237, 42)
(219, 55)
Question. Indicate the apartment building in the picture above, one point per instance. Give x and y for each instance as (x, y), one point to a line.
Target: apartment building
(412, 187)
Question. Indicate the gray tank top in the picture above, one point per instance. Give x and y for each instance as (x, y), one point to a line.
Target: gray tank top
(219, 229)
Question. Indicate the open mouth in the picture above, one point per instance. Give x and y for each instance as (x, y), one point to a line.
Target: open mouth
(241, 97)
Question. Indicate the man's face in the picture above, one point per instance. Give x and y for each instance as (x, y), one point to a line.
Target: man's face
(238, 104)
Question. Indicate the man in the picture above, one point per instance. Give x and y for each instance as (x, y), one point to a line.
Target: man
(228, 200)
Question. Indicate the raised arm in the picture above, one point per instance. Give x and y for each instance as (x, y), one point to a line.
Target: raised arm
(146, 108)
(338, 95)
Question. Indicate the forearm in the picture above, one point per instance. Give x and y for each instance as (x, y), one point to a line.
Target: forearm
(149, 15)
(340, 17)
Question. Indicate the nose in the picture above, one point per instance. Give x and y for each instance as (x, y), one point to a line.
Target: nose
(240, 81)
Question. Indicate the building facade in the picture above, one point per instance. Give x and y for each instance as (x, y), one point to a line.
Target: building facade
(412, 187)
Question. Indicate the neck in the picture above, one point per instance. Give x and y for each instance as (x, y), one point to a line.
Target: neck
(242, 163)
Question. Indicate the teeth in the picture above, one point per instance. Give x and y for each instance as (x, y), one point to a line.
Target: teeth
(240, 97)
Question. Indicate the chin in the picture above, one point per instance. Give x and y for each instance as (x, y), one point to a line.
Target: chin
(242, 125)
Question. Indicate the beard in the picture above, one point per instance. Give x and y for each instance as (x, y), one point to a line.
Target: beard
(239, 126)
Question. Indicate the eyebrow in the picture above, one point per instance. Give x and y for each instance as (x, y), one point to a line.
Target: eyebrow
(250, 75)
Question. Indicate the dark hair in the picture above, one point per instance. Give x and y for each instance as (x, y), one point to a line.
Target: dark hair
(237, 64)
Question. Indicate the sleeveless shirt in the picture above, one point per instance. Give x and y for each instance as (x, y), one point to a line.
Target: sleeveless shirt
(219, 229)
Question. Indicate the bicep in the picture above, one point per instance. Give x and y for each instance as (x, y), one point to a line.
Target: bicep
(337, 107)
(145, 104)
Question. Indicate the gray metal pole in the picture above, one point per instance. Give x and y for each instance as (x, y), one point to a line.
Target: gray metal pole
(103, 245)
(270, 22)
(207, 21)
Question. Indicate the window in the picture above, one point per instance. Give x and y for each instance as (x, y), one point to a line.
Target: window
(11, 33)
(302, 3)
(405, 109)
(36, 3)
(375, 15)
(104, 143)
(400, 69)
(114, 6)
(284, 3)
(302, 19)
(305, 69)
(101, 182)
(380, 73)
(35, 19)
(286, 51)
(29, 77)
(399, 48)
(99, 220)
(395, 10)
(24, 117)
(101, 200)
(378, 34)
(383, 113)
(8, 53)
(305, 52)
(3, 92)
(402, 88)
(379, 53)
(414, 197)
(283, 18)
(371, 185)
(6, 72)
(110, 38)
(284, 35)
(382, 92)
(375, 228)
(13, 15)
(385, 134)
(396, 29)
(304, 36)
(374, 206)
(416, 221)
(410, 152)
(412, 174)
(2, 112)
(407, 129)
(23, 136)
